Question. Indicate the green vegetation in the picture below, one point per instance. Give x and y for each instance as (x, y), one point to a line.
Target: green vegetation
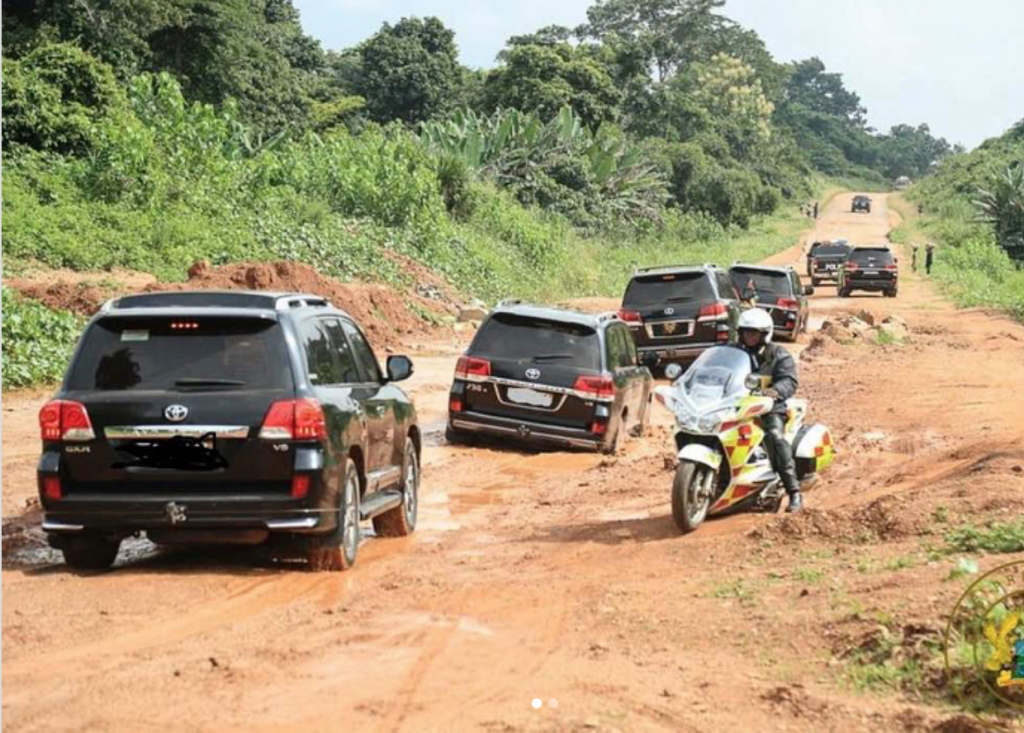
(37, 341)
(974, 211)
(996, 537)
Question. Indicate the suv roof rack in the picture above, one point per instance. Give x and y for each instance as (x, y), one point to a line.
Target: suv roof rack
(214, 299)
(607, 316)
(655, 268)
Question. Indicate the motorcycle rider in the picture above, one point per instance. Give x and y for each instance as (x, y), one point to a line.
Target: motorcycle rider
(755, 328)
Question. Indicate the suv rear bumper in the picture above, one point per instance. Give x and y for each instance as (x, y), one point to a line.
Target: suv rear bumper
(124, 515)
(870, 284)
(475, 422)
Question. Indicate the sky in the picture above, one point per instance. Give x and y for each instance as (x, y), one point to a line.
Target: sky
(954, 64)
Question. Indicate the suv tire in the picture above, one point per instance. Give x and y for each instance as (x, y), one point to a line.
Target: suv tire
(90, 552)
(401, 521)
(457, 437)
(338, 550)
(891, 293)
(844, 293)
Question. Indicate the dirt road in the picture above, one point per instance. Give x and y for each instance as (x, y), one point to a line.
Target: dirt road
(561, 577)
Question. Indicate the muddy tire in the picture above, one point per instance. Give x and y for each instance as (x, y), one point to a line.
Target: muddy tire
(337, 551)
(611, 445)
(843, 293)
(689, 508)
(90, 553)
(891, 293)
(401, 521)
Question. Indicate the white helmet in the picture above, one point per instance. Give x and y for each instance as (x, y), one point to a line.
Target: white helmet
(758, 320)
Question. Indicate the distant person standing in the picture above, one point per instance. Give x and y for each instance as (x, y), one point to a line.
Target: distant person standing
(815, 209)
(913, 259)
(929, 256)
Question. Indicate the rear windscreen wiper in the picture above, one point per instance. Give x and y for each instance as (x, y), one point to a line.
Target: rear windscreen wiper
(203, 382)
(551, 357)
(677, 298)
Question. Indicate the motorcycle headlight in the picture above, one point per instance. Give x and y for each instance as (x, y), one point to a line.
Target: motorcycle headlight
(709, 423)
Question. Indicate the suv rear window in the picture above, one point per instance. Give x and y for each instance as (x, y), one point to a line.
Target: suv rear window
(767, 283)
(668, 288)
(182, 353)
(827, 250)
(509, 336)
(867, 255)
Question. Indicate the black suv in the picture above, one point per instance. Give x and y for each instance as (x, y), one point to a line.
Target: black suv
(677, 312)
(824, 260)
(860, 203)
(778, 290)
(235, 417)
(550, 376)
(869, 268)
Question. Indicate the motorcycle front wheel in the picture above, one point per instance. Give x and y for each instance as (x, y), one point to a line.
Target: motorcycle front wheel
(691, 495)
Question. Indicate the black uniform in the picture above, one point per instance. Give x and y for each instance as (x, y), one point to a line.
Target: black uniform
(774, 361)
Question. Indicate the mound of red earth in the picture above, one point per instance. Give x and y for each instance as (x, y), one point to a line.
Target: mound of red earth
(387, 314)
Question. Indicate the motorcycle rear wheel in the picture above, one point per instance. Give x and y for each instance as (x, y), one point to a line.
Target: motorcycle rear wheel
(689, 503)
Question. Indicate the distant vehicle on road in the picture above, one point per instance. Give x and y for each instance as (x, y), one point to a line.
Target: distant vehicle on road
(549, 376)
(677, 312)
(777, 290)
(824, 260)
(861, 203)
(902, 183)
(869, 268)
(227, 417)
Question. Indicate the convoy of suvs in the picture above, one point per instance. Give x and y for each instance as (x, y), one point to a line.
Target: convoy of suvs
(265, 418)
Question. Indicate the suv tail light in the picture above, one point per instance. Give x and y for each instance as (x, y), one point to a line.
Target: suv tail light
(851, 266)
(789, 303)
(630, 316)
(301, 419)
(52, 488)
(65, 420)
(713, 312)
(455, 404)
(472, 368)
(891, 268)
(595, 387)
(300, 485)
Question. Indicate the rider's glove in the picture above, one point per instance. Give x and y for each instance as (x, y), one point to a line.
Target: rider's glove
(771, 393)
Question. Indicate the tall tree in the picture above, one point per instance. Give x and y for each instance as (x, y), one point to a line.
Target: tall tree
(547, 78)
(409, 71)
(671, 32)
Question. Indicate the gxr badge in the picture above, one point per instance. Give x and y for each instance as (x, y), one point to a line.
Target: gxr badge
(175, 413)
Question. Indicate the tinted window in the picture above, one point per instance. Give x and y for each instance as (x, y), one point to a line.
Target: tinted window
(364, 354)
(725, 286)
(764, 283)
(630, 345)
(830, 250)
(679, 286)
(348, 372)
(508, 336)
(618, 356)
(883, 256)
(147, 353)
(321, 361)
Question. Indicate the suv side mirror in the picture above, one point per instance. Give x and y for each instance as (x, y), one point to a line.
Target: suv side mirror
(399, 368)
(808, 290)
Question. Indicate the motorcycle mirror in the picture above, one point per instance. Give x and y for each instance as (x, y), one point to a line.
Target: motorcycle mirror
(672, 371)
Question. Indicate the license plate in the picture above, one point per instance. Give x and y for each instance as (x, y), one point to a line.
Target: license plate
(831, 266)
(870, 272)
(526, 396)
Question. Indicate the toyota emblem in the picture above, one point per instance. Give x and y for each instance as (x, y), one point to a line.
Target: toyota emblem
(533, 373)
(670, 311)
(175, 413)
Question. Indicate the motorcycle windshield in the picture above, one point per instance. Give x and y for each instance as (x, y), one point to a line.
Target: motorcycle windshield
(717, 376)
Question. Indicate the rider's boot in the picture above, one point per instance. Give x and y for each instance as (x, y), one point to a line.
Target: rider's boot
(796, 502)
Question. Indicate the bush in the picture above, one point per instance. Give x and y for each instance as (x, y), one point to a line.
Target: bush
(37, 342)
